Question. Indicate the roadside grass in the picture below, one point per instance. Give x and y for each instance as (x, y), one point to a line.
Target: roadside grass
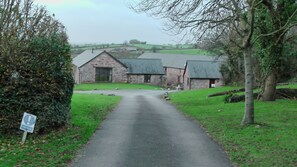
(111, 86)
(270, 142)
(59, 147)
(186, 51)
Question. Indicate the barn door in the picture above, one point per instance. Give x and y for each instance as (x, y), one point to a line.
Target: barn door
(103, 74)
(212, 83)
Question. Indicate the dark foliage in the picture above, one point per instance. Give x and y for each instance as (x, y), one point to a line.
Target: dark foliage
(38, 82)
(35, 67)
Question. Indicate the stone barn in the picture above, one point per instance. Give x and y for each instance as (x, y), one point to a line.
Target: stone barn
(202, 74)
(174, 64)
(144, 71)
(100, 66)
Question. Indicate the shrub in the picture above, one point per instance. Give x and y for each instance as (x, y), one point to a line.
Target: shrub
(35, 74)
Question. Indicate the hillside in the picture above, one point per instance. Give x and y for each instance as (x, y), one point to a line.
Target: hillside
(135, 50)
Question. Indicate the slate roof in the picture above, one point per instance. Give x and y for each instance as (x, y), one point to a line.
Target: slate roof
(178, 60)
(143, 66)
(85, 57)
(89, 55)
(204, 69)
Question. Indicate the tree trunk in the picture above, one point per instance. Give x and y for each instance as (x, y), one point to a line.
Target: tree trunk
(248, 117)
(269, 88)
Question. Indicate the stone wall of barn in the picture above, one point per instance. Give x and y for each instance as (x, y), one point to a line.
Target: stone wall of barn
(204, 83)
(139, 79)
(135, 78)
(199, 83)
(186, 80)
(219, 82)
(75, 74)
(157, 80)
(174, 76)
(88, 71)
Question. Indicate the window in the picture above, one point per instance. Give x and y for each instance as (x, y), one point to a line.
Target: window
(147, 78)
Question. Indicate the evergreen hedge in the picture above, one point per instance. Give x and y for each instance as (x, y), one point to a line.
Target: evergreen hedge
(38, 82)
(35, 70)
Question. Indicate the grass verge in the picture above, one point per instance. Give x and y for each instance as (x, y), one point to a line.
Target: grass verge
(59, 147)
(271, 142)
(111, 86)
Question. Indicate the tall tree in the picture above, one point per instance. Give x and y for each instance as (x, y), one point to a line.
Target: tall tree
(275, 19)
(202, 18)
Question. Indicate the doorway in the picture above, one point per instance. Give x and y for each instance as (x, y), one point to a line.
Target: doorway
(212, 83)
(103, 74)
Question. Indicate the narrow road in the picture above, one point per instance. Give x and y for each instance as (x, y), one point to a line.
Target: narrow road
(145, 131)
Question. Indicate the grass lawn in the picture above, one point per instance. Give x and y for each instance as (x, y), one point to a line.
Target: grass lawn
(273, 143)
(58, 148)
(110, 86)
(186, 51)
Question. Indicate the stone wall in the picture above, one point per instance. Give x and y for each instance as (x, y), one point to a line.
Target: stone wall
(135, 78)
(157, 80)
(186, 81)
(139, 79)
(199, 83)
(88, 71)
(204, 83)
(75, 74)
(174, 76)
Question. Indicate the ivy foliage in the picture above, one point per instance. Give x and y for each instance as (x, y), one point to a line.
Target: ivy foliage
(35, 72)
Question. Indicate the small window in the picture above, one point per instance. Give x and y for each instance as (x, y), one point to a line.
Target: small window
(147, 78)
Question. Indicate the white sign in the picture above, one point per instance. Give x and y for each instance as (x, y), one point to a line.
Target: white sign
(28, 122)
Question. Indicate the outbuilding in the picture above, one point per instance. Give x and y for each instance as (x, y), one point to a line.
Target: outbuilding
(202, 74)
(144, 71)
(98, 66)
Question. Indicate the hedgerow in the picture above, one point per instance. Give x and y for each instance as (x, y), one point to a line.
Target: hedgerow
(35, 69)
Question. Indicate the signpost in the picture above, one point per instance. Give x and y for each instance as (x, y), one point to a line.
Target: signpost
(27, 125)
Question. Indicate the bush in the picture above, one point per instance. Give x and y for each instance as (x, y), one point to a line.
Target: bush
(35, 68)
(40, 84)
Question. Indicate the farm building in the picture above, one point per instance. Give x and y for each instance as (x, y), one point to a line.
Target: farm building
(174, 65)
(144, 71)
(100, 66)
(202, 74)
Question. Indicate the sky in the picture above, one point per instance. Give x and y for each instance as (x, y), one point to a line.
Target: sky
(107, 21)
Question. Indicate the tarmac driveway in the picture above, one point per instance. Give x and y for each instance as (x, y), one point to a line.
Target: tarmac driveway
(145, 131)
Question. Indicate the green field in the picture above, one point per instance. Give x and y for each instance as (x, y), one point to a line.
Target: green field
(270, 142)
(58, 148)
(112, 86)
(186, 51)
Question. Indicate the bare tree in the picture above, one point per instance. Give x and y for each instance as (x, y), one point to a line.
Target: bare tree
(20, 21)
(202, 18)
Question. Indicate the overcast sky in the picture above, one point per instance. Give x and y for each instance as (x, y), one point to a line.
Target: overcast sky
(106, 21)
